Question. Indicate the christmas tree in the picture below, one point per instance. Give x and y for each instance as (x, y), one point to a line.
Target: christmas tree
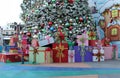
(73, 17)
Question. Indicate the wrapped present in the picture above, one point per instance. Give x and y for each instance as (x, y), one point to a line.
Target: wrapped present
(7, 48)
(71, 56)
(13, 50)
(109, 53)
(12, 57)
(60, 52)
(115, 51)
(83, 53)
(41, 55)
(82, 39)
(93, 43)
(106, 42)
(98, 54)
(46, 41)
(91, 35)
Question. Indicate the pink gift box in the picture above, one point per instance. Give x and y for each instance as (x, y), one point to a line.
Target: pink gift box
(85, 37)
(109, 53)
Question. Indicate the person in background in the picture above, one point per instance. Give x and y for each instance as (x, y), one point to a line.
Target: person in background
(24, 43)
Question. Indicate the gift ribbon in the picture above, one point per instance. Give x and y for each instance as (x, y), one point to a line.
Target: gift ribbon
(83, 50)
(99, 56)
(48, 41)
(60, 50)
(46, 55)
(92, 35)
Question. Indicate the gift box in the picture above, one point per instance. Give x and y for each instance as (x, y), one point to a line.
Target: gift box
(71, 56)
(115, 51)
(109, 52)
(83, 53)
(46, 41)
(60, 52)
(13, 50)
(98, 54)
(7, 48)
(82, 39)
(43, 55)
(93, 43)
(12, 57)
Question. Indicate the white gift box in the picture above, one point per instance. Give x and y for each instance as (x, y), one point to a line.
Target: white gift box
(71, 56)
(98, 55)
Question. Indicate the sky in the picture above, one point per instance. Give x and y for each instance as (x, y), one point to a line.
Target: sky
(10, 11)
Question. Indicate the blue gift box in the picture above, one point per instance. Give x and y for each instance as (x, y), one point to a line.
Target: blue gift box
(46, 42)
(7, 48)
(83, 53)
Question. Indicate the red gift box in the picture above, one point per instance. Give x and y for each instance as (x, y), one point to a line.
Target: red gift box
(60, 52)
(93, 43)
(12, 57)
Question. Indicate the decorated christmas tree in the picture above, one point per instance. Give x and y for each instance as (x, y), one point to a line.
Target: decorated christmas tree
(72, 17)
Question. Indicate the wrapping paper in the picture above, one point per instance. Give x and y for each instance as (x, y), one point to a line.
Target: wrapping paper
(93, 43)
(71, 56)
(42, 56)
(83, 54)
(98, 54)
(46, 41)
(60, 52)
(82, 39)
(109, 53)
(12, 57)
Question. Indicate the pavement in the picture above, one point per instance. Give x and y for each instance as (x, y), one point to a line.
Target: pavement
(106, 65)
(106, 69)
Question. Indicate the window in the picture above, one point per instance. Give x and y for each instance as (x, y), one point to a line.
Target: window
(114, 13)
(12, 33)
(114, 31)
(6, 33)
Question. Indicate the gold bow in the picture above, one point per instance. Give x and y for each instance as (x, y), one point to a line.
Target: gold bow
(60, 50)
(92, 35)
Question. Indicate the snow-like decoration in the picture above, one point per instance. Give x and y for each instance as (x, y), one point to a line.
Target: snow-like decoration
(91, 3)
(109, 4)
(101, 18)
(114, 23)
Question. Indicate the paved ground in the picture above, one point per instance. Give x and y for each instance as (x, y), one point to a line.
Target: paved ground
(106, 69)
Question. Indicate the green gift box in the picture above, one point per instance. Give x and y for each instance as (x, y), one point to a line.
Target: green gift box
(41, 56)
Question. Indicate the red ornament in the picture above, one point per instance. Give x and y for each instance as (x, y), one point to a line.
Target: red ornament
(71, 1)
(50, 23)
(81, 19)
(70, 28)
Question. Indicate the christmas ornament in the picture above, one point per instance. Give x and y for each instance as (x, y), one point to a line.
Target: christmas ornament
(71, 1)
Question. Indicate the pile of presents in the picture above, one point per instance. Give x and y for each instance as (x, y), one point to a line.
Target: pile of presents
(86, 49)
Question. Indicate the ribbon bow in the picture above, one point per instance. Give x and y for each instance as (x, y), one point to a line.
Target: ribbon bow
(99, 56)
(60, 50)
(92, 35)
